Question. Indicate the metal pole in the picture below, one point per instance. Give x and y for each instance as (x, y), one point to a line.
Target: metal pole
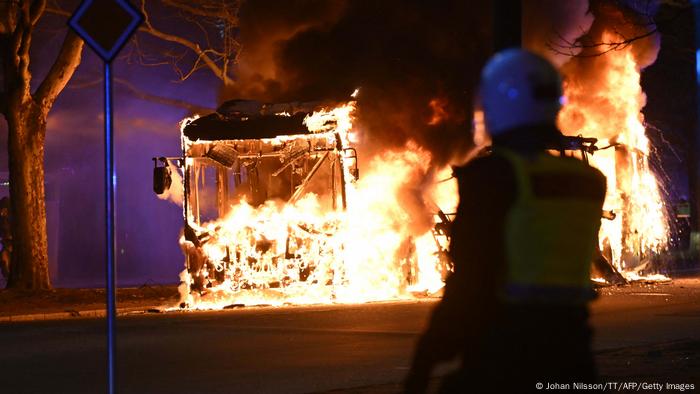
(110, 181)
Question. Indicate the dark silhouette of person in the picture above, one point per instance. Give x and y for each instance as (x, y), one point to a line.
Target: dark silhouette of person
(515, 309)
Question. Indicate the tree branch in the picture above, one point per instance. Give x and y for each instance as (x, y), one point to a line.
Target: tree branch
(201, 10)
(194, 108)
(61, 71)
(646, 20)
(205, 57)
(6, 74)
(58, 11)
(17, 50)
(606, 47)
(146, 96)
(36, 10)
(8, 17)
(147, 27)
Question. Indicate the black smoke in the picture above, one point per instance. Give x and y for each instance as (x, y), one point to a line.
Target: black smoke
(402, 54)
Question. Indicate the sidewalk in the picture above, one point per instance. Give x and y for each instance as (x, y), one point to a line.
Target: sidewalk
(71, 303)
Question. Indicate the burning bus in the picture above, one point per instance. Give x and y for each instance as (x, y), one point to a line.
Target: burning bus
(270, 197)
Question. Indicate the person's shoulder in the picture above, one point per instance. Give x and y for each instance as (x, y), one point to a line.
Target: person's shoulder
(484, 164)
(486, 170)
(590, 176)
(584, 166)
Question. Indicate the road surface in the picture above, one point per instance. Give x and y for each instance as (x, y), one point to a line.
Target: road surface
(316, 348)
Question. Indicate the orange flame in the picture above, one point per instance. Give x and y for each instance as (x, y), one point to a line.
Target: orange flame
(304, 253)
(438, 108)
(610, 111)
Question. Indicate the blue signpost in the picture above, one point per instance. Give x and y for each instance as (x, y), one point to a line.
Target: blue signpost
(106, 25)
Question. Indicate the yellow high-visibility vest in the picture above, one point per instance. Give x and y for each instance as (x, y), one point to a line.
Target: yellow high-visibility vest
(552, 229)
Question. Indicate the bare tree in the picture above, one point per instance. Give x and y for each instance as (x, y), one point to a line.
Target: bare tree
(211, 44)
(212, 18)
(639, 22)
(26, 112)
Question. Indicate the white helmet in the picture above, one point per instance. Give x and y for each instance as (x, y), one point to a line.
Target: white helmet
(519, 88)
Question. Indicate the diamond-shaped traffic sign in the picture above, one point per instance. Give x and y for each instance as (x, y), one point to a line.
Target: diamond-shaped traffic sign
(105, 25)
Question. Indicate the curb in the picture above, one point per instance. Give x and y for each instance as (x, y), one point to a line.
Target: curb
(73, 314)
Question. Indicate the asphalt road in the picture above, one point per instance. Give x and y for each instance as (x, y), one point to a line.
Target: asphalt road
(300, 349)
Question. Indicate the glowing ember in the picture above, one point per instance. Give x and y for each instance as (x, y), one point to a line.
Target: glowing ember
(439, 112)
(610, 111)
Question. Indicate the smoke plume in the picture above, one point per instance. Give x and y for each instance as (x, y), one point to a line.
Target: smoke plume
(617, 27)
(416, 63)
(554, 23)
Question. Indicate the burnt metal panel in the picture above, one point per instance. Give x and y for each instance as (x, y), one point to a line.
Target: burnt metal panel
(215, 127)
(224, 154)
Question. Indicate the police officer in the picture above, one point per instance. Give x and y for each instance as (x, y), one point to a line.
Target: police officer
(514, 311)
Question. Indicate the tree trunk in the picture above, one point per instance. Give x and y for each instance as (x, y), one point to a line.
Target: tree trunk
(29, 268)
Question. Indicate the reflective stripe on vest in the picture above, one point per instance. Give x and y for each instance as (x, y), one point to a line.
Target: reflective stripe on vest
(552, 229)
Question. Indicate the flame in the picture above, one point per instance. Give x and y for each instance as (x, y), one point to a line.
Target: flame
(186, 121)
(438, 108)
(304, 252)
(611, 111)
(338, 119)
(481, 137)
